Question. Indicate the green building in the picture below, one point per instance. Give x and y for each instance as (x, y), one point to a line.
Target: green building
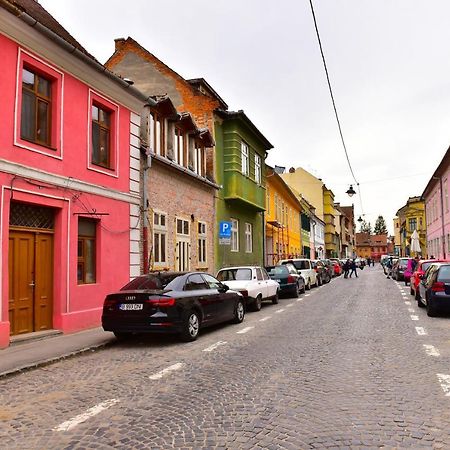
(240, 152)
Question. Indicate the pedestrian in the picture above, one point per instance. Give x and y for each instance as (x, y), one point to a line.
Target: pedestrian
(389, 267)
(346, 268)
(353, 268)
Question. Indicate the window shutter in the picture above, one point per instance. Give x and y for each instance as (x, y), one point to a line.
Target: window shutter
(191, 150)
(170, 136)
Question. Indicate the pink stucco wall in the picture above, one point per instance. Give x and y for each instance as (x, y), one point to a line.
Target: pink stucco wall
(436, 230)
(75, 306)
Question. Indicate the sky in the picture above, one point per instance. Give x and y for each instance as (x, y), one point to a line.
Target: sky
(388, 64)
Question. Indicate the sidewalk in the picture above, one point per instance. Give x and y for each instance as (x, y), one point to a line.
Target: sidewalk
(22, 356)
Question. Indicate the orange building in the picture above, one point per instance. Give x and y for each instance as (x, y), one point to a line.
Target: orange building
(282, 218)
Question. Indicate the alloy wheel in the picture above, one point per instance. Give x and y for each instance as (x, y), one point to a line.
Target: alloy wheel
(193, 325)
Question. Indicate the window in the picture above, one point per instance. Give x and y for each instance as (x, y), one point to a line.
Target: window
(86, 272)
(259, 275)
(159, 238)
(200, 161)
(446, 195)
(258, 169)
(156, 134)
(212, 282)
(248, 238)
(244, 159)
(202, 243)
(36, 115)
(183, 227)
(195, 282)
(412, 224)
(234, 235)
(101, 131)
(179, 147)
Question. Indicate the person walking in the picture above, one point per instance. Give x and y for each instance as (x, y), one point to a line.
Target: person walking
(346, 268)
(389, 267)
(353, 268)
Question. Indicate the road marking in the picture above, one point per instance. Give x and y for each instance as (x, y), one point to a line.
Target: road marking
(431, 350)
(245, 330)
(290, 304)
(421, 331)
(307, 295)
(407, 303)
(444, 380)
(279, 311)
(167, 370)
(411, 310)
(414, 317)
(299, 299)
(265, 318)
(214, 346)
(91, 412)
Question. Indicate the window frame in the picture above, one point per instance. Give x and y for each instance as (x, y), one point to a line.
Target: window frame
(160, 230)
(82, 259)
(258, 175)
(248, 237)
(202, 244)
(245, 159)
(234, 244)
(37, 65)
(99, 100)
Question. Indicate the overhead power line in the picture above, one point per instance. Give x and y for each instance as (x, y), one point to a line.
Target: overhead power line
(334, 103)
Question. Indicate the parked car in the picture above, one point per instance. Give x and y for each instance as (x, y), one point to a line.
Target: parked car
(329, 267)
(323, 275)
(337, 268)
(290, 281)
(421, 268)
(434, 288)
(305, 268)
(171, 302)
(252, 282)
(398, 269)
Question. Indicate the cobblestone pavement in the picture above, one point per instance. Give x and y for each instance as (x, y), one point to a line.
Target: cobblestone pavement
(352, 364)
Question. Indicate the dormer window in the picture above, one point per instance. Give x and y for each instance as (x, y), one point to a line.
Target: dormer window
(156, 132)
(179, 147)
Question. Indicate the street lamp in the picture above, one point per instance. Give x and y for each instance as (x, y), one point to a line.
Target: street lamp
(360, 219)
(351, 192)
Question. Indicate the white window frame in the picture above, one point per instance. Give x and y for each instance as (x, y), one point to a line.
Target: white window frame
(248, 237)
(234, 235)
(159, 230)
(257, 168)
(202, 246)
(183, 219)
(245, 156)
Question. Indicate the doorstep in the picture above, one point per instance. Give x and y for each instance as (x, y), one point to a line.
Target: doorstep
(35, 336)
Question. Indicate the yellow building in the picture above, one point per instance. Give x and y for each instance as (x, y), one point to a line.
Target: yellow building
(330, 227)
(397, 240)
(412, 217)
(282, 220)
(308, 185)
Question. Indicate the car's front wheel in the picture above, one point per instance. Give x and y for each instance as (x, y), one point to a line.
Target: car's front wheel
(191, 327)
(239, 312)
(308, 285)
(257, 305)
(275, 299)
(431, 309)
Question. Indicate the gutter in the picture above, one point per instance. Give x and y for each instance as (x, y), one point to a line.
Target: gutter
(25, 17)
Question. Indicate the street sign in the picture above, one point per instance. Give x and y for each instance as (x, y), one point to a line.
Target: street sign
(225, 230)
(224, 241)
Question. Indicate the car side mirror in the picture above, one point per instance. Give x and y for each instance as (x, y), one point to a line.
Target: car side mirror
(223, 288)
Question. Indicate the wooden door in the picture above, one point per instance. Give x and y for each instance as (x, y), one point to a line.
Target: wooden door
(30, 281)
(183, 254)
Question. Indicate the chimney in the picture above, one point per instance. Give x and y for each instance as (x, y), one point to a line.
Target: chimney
(119, 43)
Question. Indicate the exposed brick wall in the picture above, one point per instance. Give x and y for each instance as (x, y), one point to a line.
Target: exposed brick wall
(180, 195)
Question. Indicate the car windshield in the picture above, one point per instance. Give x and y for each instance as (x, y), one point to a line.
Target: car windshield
(299, 265)
(444, 273)
(278, 270)
(235, 275)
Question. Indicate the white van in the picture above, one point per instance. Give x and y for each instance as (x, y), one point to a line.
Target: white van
(305, 269)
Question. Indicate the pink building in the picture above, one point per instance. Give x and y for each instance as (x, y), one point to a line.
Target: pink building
(436, 196)
(69, 176)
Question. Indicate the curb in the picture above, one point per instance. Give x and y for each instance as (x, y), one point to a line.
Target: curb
(49, 361)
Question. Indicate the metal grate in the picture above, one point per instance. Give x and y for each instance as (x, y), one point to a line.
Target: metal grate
(24, 215)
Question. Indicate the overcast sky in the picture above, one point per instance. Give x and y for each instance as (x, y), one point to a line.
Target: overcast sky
(388, 62)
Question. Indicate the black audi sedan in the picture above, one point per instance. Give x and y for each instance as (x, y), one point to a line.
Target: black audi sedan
(434, 288)
(171, 302)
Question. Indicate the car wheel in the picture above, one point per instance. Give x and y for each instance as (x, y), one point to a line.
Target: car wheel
(258, 303)
(295, 291)
(122, 335)
(411, 290)
(419, 302)
(303, 290)
(308, 286)
(431, 309)
(239, 312)
(276, 298)
(191, 327)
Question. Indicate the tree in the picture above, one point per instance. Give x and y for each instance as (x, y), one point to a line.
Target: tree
(380, 226)
(365, 227)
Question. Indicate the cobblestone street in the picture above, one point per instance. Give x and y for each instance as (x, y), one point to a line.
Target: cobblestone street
(352, 364)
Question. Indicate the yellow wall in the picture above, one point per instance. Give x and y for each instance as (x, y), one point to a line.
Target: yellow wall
(330, 228)
(363, 251)
(414, 210)
(309, 186)
(281, 207)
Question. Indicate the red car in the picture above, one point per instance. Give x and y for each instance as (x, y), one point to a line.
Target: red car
(422, 266)
(337, 268)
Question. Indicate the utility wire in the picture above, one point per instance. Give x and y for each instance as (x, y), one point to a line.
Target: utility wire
(334, 103)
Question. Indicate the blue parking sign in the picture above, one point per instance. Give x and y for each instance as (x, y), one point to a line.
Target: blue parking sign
(225, 229)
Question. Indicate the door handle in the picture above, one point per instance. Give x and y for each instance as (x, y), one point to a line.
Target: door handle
(32, 284)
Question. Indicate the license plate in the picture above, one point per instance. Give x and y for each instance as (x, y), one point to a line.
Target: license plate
(131, 306)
